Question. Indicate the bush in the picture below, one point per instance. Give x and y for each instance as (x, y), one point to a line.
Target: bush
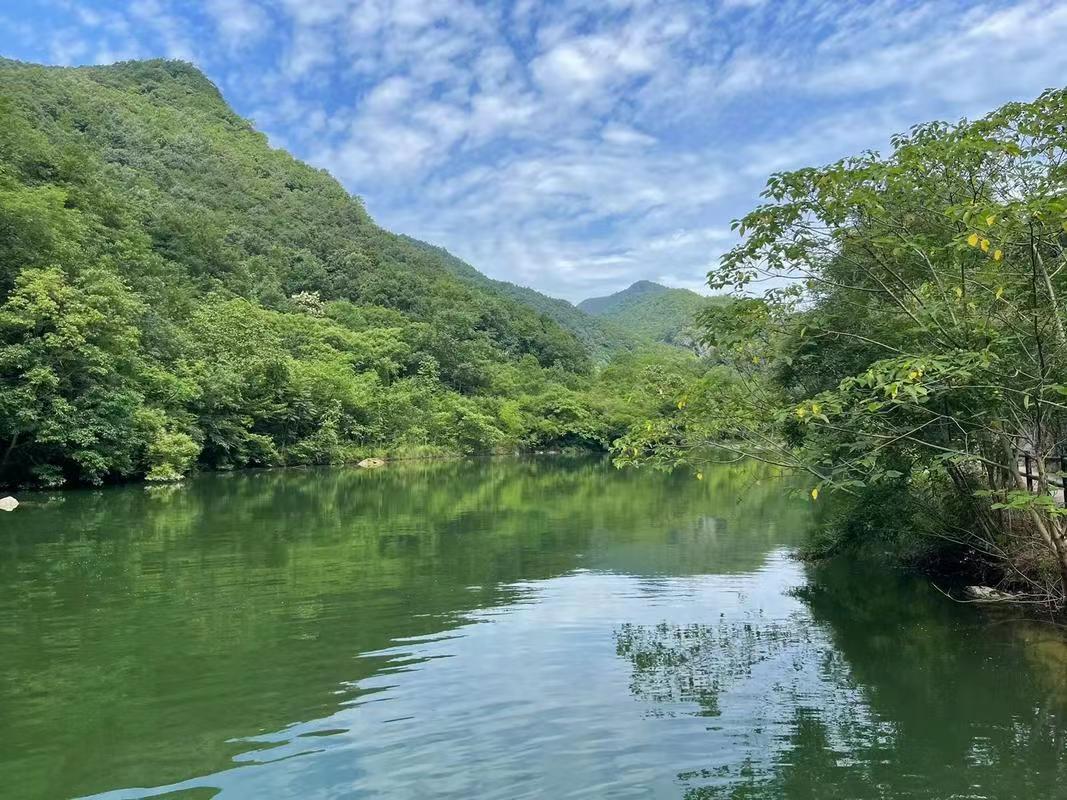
(171, 456)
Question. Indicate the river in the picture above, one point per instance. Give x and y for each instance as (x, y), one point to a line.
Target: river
(504, 628)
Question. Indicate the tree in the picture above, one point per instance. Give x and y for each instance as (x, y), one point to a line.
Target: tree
(68, 377)
(917, 326)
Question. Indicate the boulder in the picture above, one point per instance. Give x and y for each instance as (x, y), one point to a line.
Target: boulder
(987, 594)
(371, 463)
(8, 504)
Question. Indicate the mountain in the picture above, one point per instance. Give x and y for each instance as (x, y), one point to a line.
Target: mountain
(602, 337)
(176, 294)
(652, 311)
(611, 302)
(223, 198)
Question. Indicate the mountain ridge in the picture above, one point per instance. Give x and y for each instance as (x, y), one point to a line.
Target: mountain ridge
(653, 311)
(601, 336)
(603, 304)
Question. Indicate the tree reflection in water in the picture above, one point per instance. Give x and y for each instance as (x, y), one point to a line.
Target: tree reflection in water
(876, 687)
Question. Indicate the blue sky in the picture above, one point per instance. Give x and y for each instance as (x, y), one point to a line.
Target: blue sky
(572, 146)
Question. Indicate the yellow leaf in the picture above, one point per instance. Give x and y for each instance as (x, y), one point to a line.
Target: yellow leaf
(700, 476)
(972, 240)
(985, 245)
(959, 292)
(801, 412)
(998, 254)
(815, 493)
(815, 408)
(1000, 292)
(991, 219)
(913, 375)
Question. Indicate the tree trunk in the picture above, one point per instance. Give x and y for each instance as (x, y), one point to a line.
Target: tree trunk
(1050, 530)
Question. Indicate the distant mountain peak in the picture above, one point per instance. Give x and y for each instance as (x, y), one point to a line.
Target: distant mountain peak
(652, 311)
(644, 286)
(641, 288)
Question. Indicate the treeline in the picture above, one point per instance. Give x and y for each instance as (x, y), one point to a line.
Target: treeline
(912, 359)
(176, 294)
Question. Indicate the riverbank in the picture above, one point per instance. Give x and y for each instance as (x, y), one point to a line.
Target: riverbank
(386, 458)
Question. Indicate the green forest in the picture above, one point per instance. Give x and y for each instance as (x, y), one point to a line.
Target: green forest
(179, 295)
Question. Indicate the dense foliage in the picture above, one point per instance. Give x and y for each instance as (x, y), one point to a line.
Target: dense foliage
(604, 337)
(175, 293)
(653, 311)
(913, 354)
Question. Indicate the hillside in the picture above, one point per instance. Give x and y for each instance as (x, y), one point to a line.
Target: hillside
(175, 293)
(652, 311)
(602, 337)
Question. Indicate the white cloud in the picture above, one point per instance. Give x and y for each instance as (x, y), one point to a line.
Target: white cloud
(315, 12)
(241, 23)
(973, 57)
(69, 47)
(171, 30)
(625, 136)
(309, 49)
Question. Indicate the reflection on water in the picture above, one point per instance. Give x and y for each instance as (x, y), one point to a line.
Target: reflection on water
(493, 629)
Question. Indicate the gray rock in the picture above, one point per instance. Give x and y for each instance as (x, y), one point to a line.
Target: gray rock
(987, 594)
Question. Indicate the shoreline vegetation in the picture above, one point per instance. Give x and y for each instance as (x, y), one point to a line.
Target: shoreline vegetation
(177, 296)
(911, 355)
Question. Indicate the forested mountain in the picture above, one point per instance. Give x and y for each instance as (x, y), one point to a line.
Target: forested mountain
(631, 294)
(601, 336)
(652, 311)
(174, 292)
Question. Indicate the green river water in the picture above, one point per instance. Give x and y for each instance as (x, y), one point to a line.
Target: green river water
(507, 628)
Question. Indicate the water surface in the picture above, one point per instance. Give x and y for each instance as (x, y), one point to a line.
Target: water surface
(548, 628)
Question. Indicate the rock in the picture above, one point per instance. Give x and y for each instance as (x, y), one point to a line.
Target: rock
(8, 504)
(371, 463)
(987, 594)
